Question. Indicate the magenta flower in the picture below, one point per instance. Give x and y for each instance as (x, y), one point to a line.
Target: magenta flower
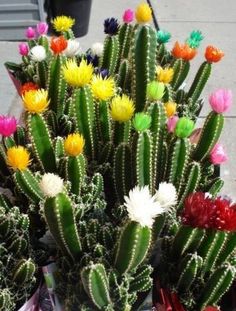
(42, 28)
(7, 125)
(23, 49)
(221, 100)
(128, 16)
(30, 33)
(171, 123)
(218, 155)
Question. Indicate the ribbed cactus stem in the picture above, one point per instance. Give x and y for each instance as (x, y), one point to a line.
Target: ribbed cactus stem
(56, 84)
(110, 55)
(43, 40)
(209, 135)
(124, 35)
(122, 132)
(75, 172)
(228, 248)
(84, 113)
(181, 70)
(24, 271)
(143, 49)
(40, 139)
(4, 171)
(123, 76)
(28, 185)
(216, 186)
(59, 214)
(42, 72)
(103, 121)
(133, 246)
(200, 81)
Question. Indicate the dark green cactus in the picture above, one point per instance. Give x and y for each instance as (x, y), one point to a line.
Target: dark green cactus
(75, 172)
(228, 248)
(125, 36)
(110, 55)
(123, 77)
(24, 271)
(103, 118)
(181, 70)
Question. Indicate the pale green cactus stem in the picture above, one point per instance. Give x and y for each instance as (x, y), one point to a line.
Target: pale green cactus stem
(103, 119)
(189, 268)
(181, 70)
(199, 82)
(40, 139)
(123, 76)
(209, 135)
(95, 283)
(110, 57)
(143, 50)
(121, 133)
(132, 248)
(24, 271)
(122, 175)
(75, 168)
(56, 84)
(59, 215)
(84, 113)
(28, 185)
(217, 285)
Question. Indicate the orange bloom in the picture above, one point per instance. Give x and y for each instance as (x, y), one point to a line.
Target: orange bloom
(58, 44)
(183, 51)
(28, 86)
(213, 55)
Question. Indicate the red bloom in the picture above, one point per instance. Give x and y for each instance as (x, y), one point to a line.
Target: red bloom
(28, 86)
(183, 51)
(202, 212)
(213, 54)
(58, 44)
(211, 309)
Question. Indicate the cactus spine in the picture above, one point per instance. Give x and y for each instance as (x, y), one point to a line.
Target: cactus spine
(124, 35)
(75, 172)
(24, 271)
(110, 54)
(181, 70)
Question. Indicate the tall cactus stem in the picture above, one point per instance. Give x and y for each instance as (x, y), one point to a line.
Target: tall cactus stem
(75, 172)
(110, 56)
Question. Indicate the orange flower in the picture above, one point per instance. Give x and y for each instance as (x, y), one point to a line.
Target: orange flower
(183, 51)
(28, 86)
(58, 44)
(213, 55)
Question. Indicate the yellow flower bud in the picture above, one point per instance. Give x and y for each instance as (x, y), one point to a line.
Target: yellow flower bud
(170, 109)
(143, 13)
(18, 158)
(74, 144)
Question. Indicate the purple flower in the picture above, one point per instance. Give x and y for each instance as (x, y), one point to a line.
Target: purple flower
(103, 72)
(92, 59)
(23, 49)
(42, 28)
(111, 26)
(221, 100)
(171, 123)
(30, 33)
(7, 125)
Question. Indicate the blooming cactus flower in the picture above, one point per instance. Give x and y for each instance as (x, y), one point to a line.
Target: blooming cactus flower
(38, 53)
(42, 28)
(221, 100)
(7, 125)
(111, 26)
(30, 33)
(18, 158)
(51, 185)
(166, 194)
(58, 44)
(184, 127)
(73, 48)
(218, 155)
(143, 13)
(128, 16)
(171, 123)
(97, 49)
(213, 54)
(23, 49)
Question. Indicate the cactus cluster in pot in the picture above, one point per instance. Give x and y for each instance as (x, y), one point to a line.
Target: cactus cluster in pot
(106, 147)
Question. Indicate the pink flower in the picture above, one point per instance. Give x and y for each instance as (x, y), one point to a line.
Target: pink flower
(7, 125)
(221, 100)
(30, 33)
(171, 123)
(218, 155)
(23, 49)
(128, 16)
(42, 28)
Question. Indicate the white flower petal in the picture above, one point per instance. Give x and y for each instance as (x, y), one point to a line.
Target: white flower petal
(51, 185)
(73, 48)
(38, 53)
(97, 49)
(166, 194)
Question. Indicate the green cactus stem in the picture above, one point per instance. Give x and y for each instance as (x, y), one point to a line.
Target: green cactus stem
(181, 70)
(217, 285)
(84, 113)
(56, 84)
(95, 282)
(59, 214)
(121, 171)
(20, 136)
(103, 121)
(43, 40)
(42, 72)
(200, 81)
(216, 186)
(143, 63)
(110, 55)
(122, 131)
(75, 172)
(6, 300)
(24, 271)
(59, 148)
(125, 36)
(4, 202)
(40, 139)
(3, 162)
(228, 248)
(209, 135)
(132, 247)
(123, 77)
(28, 185)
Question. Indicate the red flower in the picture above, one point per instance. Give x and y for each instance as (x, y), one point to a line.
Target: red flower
(225, 215)
(211, 309)
(28, 86)
(183, 51)
(58, 44)
(213, 54)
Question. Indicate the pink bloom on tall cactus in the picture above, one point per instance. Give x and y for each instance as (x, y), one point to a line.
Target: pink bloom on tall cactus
(7, 125)
(218, 155)
(128, 16)
(23, 49)
(171, 123)
(42, 28)
(30, 33)
(221, 100)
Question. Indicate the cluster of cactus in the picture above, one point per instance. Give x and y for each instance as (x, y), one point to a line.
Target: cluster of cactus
(85, 148)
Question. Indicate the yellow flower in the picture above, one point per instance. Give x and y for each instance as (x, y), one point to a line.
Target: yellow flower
(165, 75)
(170, 109)
(18, 158)
(122, 108)
(77, 76)
(36, 101)
(62, 23)
(74, 144)
(103, 89)
(143, 13)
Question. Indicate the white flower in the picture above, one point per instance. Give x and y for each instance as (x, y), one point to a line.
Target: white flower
(51, 185)
(97, 49)
(38, 53)
(166, 195)
(73, 48)
(142, 207)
